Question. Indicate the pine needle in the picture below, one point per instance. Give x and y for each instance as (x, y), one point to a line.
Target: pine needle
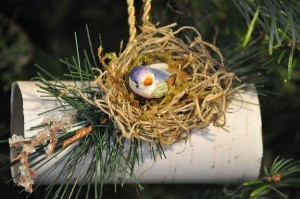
(251, 27)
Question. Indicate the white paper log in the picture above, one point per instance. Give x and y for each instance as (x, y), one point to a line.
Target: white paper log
(211, 155)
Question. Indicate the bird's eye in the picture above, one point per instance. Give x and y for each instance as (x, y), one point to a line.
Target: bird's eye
(137, 85)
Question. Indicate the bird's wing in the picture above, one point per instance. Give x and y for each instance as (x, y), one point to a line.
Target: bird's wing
(160, 75)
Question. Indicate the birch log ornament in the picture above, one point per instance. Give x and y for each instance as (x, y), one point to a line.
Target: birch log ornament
(161, 96)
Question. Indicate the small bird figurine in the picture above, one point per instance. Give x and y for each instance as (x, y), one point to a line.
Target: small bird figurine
(150, 81)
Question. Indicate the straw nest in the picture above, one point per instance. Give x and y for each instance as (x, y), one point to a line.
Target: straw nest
(194, 102)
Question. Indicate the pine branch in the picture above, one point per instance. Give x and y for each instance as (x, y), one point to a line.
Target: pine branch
(280, 20)
(281, 174)
(102, 149)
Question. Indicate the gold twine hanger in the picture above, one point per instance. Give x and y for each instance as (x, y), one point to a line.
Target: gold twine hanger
(132, 17)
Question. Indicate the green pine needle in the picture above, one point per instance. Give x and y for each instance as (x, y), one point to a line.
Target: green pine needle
(251, 28)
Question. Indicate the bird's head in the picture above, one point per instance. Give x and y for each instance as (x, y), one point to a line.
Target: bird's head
(141, 76)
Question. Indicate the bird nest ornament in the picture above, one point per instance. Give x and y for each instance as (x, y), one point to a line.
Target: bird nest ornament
(165, 83)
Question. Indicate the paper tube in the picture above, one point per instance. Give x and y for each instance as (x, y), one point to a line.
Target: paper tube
(212, 155)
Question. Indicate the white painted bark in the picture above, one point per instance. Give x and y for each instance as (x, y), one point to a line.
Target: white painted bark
(211, 155)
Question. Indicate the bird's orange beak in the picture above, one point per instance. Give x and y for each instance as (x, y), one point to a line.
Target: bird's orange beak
(148, 81)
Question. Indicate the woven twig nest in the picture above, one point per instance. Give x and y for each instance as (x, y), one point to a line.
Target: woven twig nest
(193, 102)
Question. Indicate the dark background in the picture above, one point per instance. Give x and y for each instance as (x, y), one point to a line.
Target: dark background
(41, 32)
